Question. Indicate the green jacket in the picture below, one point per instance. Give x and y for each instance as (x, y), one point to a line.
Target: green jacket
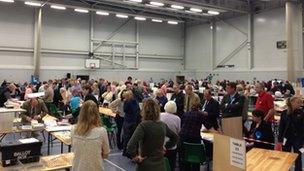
(148, 141)
(40, 109)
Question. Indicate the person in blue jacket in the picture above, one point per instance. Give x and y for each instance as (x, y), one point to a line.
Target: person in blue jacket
(131, 119)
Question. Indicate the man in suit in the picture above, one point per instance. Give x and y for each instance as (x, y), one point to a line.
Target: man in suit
(211, 109)
(232, 103)
(190, 99)
(35, 110)
(178, 97)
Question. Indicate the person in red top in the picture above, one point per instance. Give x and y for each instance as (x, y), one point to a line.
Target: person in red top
(265, 102)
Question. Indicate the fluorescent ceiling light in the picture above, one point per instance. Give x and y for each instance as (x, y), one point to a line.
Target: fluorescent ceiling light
(206, 14)
(58, 7)
(261, 20)
(140, 18)
(173, 22)
(213, 12)
(102, 13)
(177, 7)
(159, 4)
(172, 9)
(149, 5)
(81, 10)
(11, 1)
(121, 16)
(196, 10)
(137, 1)
(157, 20)
(191, 12)
(35, 4)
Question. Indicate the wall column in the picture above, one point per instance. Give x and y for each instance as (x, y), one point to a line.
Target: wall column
(290, 7)
(251, 40)
(37, 44)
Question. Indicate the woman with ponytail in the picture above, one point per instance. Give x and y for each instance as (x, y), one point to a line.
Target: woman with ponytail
(291, 131)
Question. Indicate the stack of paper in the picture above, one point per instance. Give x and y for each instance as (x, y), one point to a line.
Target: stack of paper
(59, 128)
(26, 127)
(28, 140)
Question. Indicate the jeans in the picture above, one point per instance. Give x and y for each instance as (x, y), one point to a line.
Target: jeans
(119, 121)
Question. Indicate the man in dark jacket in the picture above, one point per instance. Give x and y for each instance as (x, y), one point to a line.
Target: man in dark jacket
(137, 92)
(87, 92)
(232, 103)
(211, 109)
(5, 93)
(178, 97)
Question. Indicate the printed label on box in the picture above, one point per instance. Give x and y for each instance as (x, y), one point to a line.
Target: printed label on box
(237, 153)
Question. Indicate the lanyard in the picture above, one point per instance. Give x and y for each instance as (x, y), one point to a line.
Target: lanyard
(206, 103)
(231, 100)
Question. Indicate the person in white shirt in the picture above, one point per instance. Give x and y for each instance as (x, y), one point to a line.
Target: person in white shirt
(108, 95)
(173, 122)
(117, 107)
(90, 142)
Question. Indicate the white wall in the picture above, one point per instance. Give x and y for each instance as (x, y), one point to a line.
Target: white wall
(70, 32)
(269, 62)
(16, 31)
(198, 48)
(229, 38)
(269, 28)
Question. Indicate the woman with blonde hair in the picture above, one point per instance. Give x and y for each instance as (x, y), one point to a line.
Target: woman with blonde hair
(291, 129)
(108, 95)
(162, 100)
(117, 107)
(89, 141)
(149, 136)
(95, 90)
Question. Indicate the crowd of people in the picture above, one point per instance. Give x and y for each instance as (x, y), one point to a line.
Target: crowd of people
(154, 120)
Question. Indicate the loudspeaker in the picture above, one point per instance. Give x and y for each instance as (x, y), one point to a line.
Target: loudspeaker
(68, 75)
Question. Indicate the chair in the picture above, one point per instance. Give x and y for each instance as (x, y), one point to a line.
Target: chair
(195, 154)
(54, 111)
(111, 130)
(167, 164)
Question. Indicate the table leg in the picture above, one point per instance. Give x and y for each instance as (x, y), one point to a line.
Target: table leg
(48, 146)
(52, 140)
(61, 147)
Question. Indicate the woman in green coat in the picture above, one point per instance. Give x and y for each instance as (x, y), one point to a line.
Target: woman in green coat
(146, 146)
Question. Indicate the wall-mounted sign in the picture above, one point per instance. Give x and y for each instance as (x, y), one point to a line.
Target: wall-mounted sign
(281, 44)
(225, 66)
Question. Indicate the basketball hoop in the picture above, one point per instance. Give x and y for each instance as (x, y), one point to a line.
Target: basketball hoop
(92, 65)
